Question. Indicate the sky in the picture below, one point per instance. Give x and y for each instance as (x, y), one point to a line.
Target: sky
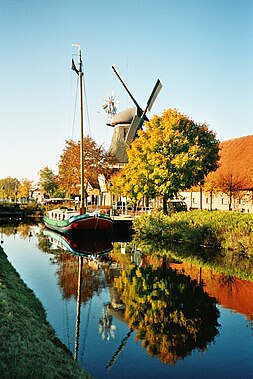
(201, 50)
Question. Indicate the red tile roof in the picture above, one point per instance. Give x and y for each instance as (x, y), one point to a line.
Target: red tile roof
(236, 157)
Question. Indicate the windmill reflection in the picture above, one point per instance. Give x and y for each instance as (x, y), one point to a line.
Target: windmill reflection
(106, 327)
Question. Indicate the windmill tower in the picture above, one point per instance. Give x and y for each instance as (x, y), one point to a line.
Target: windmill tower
(127, 123)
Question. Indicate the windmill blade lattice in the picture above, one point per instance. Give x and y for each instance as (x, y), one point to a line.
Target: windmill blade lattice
(110, 104)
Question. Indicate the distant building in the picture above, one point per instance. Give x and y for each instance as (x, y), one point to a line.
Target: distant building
(38, 195)
(232, 181)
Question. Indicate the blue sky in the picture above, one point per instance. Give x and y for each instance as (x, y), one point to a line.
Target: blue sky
(201, 50)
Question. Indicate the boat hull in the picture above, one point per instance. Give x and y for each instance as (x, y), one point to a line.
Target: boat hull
(78, 244)
(80, 223)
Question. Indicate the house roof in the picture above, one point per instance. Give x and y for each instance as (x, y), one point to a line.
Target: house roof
(236, 157)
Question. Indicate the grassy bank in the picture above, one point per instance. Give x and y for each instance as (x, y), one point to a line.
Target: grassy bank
(219, 239)
(20, 210)
(28, 345)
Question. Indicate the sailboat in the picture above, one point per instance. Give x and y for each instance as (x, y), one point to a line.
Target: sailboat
(66, 220)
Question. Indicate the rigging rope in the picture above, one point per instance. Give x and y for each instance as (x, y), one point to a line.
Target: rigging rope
(86, 111)
(86, 108)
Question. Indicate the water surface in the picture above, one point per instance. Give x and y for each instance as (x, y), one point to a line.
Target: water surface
(167, 322)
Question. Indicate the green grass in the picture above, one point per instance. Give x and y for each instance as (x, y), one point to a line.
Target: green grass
(218, 239)
(29, 347)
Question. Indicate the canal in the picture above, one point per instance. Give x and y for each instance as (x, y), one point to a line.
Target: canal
(124, 315)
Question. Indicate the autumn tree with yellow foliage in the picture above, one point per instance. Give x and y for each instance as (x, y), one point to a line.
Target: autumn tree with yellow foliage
(173, 153)
(25, 187)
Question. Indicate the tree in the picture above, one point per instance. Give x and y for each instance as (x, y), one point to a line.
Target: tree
(9, 187)
(122, 183)
(210, 187)
(172, 154)
(24, 189)
(230, 184)
(96, 161)
(47, 180)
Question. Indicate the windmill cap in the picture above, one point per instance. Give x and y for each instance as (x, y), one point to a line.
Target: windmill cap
(125, 117)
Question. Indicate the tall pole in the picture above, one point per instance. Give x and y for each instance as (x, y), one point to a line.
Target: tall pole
(82, 203)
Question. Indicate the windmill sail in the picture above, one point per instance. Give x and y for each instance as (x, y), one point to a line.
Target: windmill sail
(140, 116)
(115, 69)
(137, 120)
(157, 88)
(135, 125)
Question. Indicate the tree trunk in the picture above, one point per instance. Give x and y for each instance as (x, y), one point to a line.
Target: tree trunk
(230, 201)
(201, 198)
(165, 208)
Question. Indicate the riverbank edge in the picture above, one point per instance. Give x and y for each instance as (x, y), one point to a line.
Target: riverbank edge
(216, 239)
(20, 211)
(29, 347)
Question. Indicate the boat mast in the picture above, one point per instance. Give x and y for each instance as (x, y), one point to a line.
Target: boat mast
(82, 203)
(79, 72)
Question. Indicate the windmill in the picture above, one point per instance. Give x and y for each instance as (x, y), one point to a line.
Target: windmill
(140, 115)
(110, 105)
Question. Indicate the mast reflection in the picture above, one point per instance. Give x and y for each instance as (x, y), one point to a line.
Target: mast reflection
(85, 249)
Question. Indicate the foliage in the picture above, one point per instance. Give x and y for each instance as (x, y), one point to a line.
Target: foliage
(172, 154)
(24, 189)
(122, 183)
(210, 186)
(230, 184)
(96, 161)
(217, 229)
(59, 193)
(9, 188)
(218, 238)
(22, 210)
(171, 313)
(47, 180)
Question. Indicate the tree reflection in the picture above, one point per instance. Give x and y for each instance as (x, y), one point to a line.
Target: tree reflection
(22, 228)
(67, 272)
(223, 260)
(43, 243)
(93, 278)
(16, 227)
(170, 312)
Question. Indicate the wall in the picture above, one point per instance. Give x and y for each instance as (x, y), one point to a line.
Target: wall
(243, 202)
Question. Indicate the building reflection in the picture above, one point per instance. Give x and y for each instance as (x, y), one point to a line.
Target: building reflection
(230, 292)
